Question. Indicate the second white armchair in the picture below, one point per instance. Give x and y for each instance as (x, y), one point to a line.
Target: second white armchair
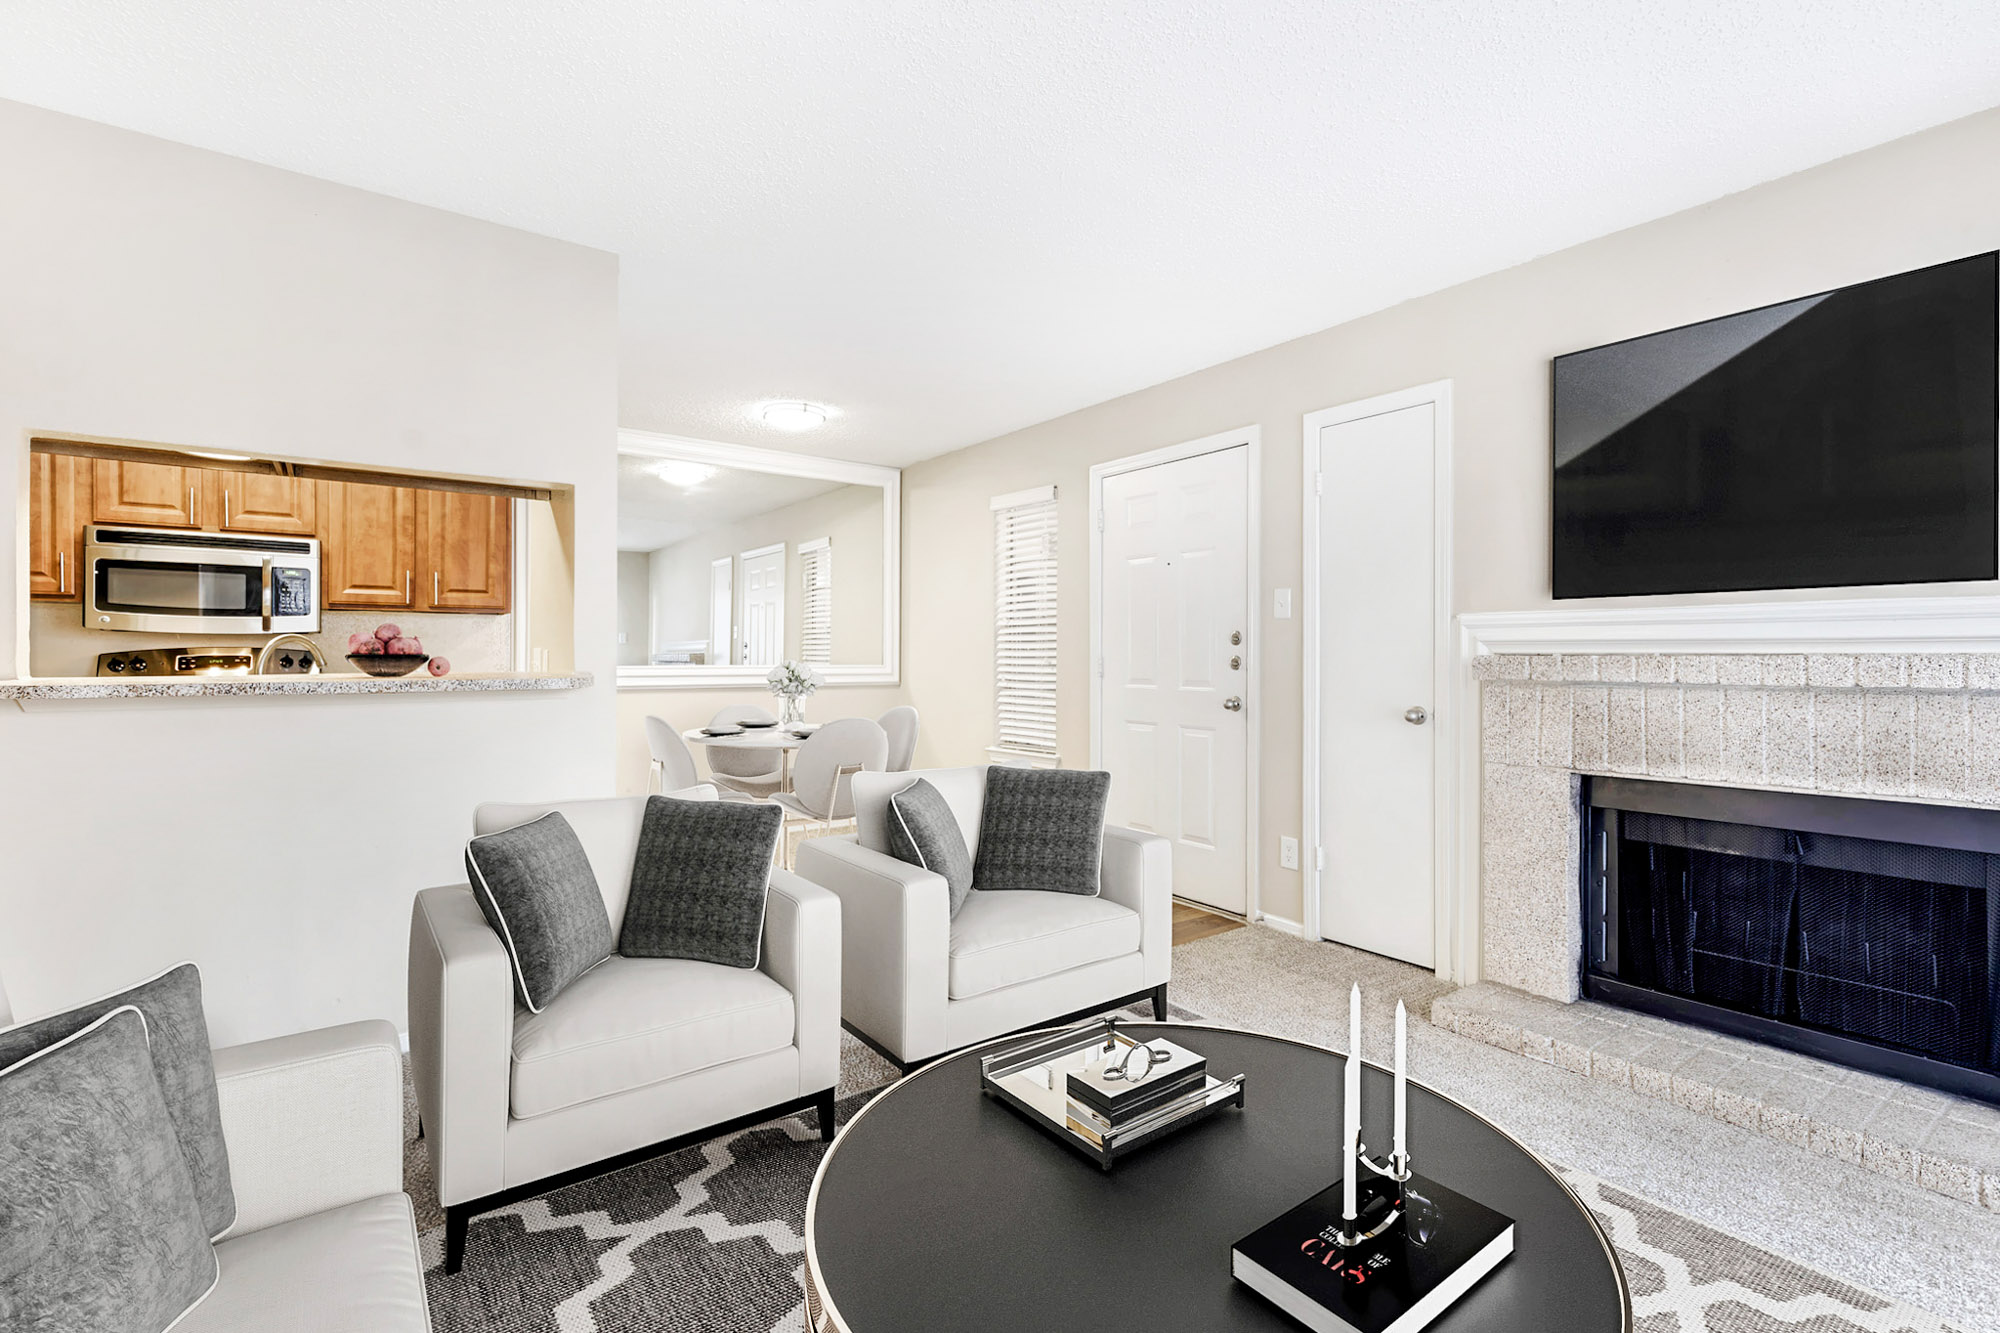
(917, 982)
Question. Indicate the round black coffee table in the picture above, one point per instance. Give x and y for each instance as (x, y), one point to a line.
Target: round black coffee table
(942, 1209)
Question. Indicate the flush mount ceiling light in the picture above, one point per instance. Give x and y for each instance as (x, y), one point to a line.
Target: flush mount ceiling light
(793, 416)
(677, 472)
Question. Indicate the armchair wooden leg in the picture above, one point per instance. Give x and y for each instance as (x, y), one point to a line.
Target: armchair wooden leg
(823, 1104)
(457, 1219)
(1160, 1003)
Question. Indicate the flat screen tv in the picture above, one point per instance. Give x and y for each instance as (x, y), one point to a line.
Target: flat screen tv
(1845, 439)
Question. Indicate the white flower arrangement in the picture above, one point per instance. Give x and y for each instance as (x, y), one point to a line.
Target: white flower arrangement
(792, 681)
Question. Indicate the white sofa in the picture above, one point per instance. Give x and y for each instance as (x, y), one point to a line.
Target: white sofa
(324, 1240)
(638, 1056)
(916, 982)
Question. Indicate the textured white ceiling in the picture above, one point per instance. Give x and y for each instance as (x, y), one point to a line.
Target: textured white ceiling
(953, 218)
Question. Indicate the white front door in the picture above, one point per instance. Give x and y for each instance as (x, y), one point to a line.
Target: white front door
(763, 621)
(1377, 628)
(721, 610)
(1175, 606)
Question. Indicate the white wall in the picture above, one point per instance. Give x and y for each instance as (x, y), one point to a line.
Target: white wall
(1931, 197)
(158, 293)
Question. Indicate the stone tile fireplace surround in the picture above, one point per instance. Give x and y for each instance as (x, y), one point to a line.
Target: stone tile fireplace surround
(1916, 726)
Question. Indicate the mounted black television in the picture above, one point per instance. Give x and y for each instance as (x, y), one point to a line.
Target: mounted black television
(1842, 440)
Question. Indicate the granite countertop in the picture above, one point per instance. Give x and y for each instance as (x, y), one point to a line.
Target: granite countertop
(62, 688)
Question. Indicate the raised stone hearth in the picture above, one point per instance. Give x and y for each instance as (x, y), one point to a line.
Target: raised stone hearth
(1942, 1143)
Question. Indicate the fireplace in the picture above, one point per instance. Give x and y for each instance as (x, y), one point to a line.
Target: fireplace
(1861, 931)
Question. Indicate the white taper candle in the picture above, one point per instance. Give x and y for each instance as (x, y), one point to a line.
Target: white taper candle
(1350, 1106)
(1402, 1083)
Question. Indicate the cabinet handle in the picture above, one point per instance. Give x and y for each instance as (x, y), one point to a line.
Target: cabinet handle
(225, 506)
(434, 587)
(62, 571)
(409, 597)
(194, 515)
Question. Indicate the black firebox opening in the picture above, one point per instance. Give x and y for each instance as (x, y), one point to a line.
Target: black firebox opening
(1866, 932)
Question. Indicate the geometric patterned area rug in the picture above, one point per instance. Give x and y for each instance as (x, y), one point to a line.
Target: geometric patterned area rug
(711, 1239)
(1688, 1277)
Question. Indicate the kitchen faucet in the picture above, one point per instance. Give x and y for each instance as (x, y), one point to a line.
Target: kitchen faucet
(311, 652)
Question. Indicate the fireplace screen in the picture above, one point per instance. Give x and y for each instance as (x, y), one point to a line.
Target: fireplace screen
(1877, 952)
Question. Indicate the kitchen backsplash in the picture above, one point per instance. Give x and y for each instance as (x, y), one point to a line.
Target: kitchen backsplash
(59, 645)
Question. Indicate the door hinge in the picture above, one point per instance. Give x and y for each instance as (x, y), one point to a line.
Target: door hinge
(1319, 483)
(1319, 858)
(1100, 668)
(1100, 520)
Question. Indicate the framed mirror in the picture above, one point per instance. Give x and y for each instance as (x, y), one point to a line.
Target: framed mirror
(732, 559)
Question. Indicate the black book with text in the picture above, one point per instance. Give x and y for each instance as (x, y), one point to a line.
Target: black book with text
(1398, 1282)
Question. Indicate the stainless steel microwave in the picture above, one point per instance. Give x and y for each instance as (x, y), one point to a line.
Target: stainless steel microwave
(170, 581)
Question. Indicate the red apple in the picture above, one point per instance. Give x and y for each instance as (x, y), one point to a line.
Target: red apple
(402, 647)
(438, 666)
(367, 648)
(387, 632)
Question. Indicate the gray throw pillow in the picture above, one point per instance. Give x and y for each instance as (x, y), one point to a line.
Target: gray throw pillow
(178, 1034)
(535, 886)
(1041, 828)
(699, 881)
(99, 1225)
(923, 831)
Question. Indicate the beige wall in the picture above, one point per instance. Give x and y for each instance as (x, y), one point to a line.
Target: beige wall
(1921, 200)
(851, 516)
(155, 292)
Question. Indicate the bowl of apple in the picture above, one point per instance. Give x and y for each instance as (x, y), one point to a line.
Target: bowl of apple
(390, 652)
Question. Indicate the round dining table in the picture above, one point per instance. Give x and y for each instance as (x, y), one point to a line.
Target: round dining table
(754, 738)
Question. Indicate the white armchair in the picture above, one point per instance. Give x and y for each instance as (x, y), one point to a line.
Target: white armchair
(916, 983)
(637, 1057)
(324, 1236)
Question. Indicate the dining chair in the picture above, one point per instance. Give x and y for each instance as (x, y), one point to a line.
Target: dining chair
(823, 772)
(753, 771)
(901, 724)
(673, 763)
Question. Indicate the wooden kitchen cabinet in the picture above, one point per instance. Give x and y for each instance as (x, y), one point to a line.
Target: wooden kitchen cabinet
(156, 495)
(260, 502)
(368, 546)
(468, 549)
(58, 510)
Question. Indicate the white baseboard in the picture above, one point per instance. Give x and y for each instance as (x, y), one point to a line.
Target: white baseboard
(1283, 926)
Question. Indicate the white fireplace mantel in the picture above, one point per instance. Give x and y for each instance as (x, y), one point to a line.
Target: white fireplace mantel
(1964, 624)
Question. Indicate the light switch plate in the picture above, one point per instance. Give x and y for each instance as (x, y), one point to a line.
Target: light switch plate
(1288, 853)
(621, 638)
(1281, 604)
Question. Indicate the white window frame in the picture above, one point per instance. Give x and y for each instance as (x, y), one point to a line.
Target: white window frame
(1043, 500)
(817, 552)
(889, 480)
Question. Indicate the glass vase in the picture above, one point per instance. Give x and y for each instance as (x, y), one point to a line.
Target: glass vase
(794, 711)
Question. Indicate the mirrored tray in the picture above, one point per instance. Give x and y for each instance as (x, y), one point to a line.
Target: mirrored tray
(1032, 1077)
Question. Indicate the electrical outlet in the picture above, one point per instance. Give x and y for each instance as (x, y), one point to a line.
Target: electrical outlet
(1288, 853)
(621, 639)
(1281, 603)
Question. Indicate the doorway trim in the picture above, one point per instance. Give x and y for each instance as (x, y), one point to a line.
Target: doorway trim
(1251, 437)
(1455, 908)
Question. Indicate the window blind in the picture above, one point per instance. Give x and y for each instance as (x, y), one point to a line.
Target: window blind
(816, 617)
(1024, 639)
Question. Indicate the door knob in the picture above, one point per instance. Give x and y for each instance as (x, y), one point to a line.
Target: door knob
(1416, 716)
(1233, 704)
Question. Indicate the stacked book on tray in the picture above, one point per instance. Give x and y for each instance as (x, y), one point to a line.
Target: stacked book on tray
(1103, 1099)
